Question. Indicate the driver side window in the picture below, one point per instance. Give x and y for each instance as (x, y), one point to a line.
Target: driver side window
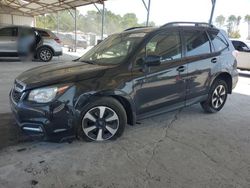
(165, 45)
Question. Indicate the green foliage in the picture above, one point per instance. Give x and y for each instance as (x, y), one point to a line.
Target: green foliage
(234, 34)
(91, 22)
(233, 23)
(247, 19)
(220, 20)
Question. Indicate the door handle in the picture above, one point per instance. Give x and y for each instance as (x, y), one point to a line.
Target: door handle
(181, 69)
(214, 60)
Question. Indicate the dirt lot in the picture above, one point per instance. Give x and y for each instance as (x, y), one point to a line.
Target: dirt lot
(185, 148)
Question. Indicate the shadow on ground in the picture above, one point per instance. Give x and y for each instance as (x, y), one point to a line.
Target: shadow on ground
(10, 134)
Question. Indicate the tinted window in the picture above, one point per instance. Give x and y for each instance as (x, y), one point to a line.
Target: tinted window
(43, 33)
(218, 41)
(166, 45)
(8, 32)
(238, 45)
(197, 43)
(26, 32)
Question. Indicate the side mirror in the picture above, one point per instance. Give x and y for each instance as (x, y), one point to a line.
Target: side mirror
(152, 60)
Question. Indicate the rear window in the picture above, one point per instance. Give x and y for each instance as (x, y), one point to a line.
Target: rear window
(43, 33)
(218, 40)
(197, 43)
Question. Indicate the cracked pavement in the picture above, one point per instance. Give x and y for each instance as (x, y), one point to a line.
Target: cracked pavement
(185, 148)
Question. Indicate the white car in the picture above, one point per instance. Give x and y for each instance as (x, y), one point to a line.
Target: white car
(15, 40)
(243, 56)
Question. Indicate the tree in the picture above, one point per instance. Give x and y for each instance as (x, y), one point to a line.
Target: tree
(129, 20)
(91, 22)
(232, 26)
(220, 20)
(247, 19)
(238, 22)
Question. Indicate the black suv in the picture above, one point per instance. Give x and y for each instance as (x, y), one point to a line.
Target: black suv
(129, 76)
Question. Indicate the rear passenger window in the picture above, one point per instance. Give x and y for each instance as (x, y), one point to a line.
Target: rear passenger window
(197, 43)
(43, 33)
(218, 41)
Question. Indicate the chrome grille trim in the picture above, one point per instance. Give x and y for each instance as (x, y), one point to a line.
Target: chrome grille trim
(19, 86)
(16, 99)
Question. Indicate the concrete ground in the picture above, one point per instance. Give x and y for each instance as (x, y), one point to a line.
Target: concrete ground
(185, 148)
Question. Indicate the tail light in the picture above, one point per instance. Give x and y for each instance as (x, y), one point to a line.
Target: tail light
(58, 40)
(235, 53)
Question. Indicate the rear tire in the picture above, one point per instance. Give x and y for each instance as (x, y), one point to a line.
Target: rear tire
(45, 54)
(216, 98)
(103, 119)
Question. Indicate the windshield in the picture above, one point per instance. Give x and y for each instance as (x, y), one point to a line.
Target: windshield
(113, 50)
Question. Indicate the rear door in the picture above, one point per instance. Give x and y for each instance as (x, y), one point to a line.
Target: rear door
(8, 41)
(201, 62)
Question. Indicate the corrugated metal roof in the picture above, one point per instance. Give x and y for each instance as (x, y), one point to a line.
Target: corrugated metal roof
(39, 7)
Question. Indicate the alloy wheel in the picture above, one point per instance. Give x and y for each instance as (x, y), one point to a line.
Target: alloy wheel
(100, 123)
(219, 96)
(45, 55)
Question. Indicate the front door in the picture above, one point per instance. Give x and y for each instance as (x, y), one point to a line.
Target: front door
(161, 85)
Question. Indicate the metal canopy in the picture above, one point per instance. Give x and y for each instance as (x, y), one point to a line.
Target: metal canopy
(40, 7)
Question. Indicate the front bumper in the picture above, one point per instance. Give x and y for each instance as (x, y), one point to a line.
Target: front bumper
(53, 121)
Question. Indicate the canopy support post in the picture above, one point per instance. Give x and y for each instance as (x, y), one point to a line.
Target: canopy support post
(147, 7)
(212, 11)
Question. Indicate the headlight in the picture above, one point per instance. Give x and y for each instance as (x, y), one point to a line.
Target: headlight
(44, 95)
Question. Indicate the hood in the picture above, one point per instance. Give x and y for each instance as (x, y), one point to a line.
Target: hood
(59, 73)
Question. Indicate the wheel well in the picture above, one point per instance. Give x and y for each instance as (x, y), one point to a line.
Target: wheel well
(227, 78)
(128, 108)
(45, 46)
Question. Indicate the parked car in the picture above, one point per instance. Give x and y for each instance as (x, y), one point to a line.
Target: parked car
(69, 41)
(10, 42)
(243, 55)
(129, 76)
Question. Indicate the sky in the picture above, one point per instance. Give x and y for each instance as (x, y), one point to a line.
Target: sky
(163, 11)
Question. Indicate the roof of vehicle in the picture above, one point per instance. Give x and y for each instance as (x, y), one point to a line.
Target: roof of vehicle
(25, 26)
(197, 25)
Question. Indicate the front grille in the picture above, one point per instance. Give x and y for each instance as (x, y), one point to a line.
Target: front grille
(16, 95)
(18, 86)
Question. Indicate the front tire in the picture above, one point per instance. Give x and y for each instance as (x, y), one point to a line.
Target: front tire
(216, 98)
(45, 54)
(104, 119)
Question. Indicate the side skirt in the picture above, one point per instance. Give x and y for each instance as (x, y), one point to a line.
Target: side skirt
(172, 107)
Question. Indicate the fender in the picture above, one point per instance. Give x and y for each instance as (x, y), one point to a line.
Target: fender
(224, 72)
(125, 99)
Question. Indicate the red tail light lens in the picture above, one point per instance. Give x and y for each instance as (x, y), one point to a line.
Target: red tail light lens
(235, 53)
(58, 40)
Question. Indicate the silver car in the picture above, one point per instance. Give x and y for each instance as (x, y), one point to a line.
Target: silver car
(46, 48)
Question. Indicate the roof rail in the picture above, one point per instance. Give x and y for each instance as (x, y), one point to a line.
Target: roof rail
(132, 28)
(201, 24)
